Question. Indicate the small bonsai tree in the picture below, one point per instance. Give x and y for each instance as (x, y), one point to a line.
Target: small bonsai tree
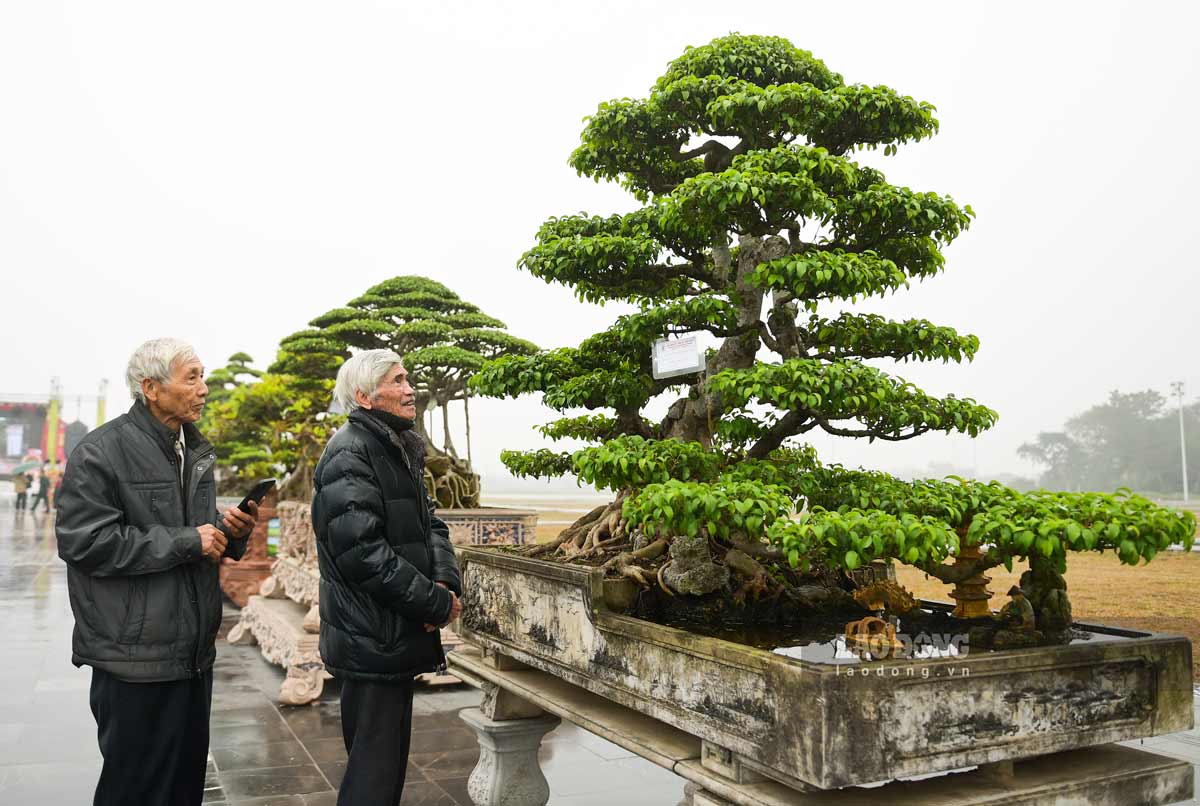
(754, 222)
(232, 425)
(223, 380)
(444, 340)
(278, 424)
(302, 380)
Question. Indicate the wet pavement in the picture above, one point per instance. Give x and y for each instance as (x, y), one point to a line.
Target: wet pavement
(263, 753)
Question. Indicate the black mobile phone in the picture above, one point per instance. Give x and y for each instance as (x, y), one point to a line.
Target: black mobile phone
(256, 494)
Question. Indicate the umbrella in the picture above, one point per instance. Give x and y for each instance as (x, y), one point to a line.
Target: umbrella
(24, 466)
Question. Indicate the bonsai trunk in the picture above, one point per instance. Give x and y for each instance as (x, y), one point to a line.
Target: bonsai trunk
(467, 418)
(447, 444)
(693, 419)
(422, 405)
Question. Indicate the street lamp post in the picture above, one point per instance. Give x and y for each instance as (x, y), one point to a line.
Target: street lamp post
(1177, 390)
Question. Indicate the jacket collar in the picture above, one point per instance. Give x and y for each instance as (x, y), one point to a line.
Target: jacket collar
(410, 446)
(143, 419)
(378, 428)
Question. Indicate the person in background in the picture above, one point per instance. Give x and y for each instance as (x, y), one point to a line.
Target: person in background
(56, 480)
(389, 578)
(21, 486)
(139, 530)
(43, 489)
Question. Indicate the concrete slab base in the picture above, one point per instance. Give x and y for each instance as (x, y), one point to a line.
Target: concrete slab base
(1099, 776)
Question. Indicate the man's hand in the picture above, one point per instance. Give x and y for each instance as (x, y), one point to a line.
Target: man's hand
(238, 523)
(212, 542)
(455, 610)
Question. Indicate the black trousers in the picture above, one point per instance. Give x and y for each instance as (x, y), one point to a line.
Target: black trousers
(21, 500)
(376, 726)
(40, 497)
(154, 740)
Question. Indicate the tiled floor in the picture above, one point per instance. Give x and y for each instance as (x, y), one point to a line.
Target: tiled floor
(262, 753)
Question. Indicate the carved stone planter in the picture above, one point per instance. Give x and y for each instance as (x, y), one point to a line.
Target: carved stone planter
(489, 525)
(828, 722)
(241, 579)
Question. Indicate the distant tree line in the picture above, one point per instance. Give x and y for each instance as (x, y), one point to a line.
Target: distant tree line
(1131, 440)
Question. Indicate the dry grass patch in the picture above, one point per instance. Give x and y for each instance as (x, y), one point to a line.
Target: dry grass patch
(1160, 596)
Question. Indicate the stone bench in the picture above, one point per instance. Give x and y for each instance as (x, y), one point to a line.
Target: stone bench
(279, 627)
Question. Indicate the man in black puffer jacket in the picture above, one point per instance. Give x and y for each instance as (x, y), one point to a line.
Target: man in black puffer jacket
(389, 579)
(139, 531)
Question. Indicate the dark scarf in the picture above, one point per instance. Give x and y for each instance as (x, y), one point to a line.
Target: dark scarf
(399, 433)
(397, 425)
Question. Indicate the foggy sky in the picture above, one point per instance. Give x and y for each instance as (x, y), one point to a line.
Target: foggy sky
(223, 172)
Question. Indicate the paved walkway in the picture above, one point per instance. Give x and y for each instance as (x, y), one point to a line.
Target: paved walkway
(262, 753)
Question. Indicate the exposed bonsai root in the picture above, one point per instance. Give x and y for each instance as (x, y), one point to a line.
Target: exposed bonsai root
(569, 536)
(758, 549)
(603, 547)
(652, 551)
(626, 563)
(624, 566)
(538, 549)
(756, 580)
(600, 526)
(662, 584)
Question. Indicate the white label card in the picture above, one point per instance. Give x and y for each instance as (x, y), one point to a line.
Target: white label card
(679, 356)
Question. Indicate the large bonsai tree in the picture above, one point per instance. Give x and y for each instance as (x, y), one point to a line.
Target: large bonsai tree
(755, 225)
(444, 340)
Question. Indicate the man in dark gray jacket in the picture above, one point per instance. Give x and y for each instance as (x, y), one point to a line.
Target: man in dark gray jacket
(389, 578)
(139, 530)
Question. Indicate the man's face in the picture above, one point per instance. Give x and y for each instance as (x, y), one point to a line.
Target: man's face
(395, 395)
(181, 399)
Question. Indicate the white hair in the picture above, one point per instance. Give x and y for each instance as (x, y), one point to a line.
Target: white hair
(154, 360)
(362, 372)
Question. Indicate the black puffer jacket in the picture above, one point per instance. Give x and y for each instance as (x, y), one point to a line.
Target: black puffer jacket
(381, 549)
(147, 603)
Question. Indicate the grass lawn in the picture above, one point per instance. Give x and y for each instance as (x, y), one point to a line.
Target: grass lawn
(1161, 596)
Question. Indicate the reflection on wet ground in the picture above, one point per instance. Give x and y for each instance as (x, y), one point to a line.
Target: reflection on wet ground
(261, 753)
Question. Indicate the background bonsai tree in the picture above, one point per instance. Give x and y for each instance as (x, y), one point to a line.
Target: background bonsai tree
(233, 425)
(278, 424)
(755, 224)
(224, 380)
(444, 340)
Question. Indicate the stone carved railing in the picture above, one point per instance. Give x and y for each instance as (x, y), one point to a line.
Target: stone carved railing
(488, 525)
(284, 619)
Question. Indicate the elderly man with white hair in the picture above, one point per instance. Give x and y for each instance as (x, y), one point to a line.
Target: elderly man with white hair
(389, 578)
(139, 531)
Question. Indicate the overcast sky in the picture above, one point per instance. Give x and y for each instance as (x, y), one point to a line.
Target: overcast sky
(223, 172)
